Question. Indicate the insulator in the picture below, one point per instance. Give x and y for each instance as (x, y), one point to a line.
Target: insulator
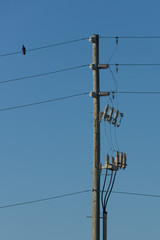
(112, 160)
(120, 160)
(107, 162)
(115, 117)
(110, 114)
(119, 119)
(124, 161)
(117, 158)
(104, 116)
(107, 159)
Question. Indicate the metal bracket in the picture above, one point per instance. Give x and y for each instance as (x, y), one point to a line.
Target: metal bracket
(99, 66)
(93, 94)
(110, 166)
(93, 189)
(100, 94)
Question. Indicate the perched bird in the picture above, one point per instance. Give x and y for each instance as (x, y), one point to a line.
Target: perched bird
(23, 50)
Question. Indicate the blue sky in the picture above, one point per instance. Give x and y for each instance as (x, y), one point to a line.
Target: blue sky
(46, 150)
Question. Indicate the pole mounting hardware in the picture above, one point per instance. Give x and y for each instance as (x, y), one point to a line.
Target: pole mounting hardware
(99, 66)
(92, 39)
(93, 189)
(114, 164)
(108, 113)
(100, 94)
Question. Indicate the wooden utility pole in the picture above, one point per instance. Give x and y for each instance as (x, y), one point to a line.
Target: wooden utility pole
(96, 142)
(114, 165)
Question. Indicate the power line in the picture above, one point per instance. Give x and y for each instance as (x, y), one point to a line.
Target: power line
(58, 44)
(44, 47)
(131, 37)
(43, 199)
(44, 74)
(136, 92)
(62, 98)
(43, 102)
(137, 194)
(134, 64)
(66, 69)
(74, 193)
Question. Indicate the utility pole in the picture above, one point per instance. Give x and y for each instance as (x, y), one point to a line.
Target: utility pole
(113, 165)
(96, 94)
(96, 143)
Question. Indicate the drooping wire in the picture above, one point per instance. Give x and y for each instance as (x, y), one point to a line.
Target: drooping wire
(115, 129)
(115, 93)
(114, 51)
(104, 200)
(110, 127)
(110, 145)
(116, 86)
(116, 140)
(114, 79)
(110, 191)
(111, 182)
(104, 188)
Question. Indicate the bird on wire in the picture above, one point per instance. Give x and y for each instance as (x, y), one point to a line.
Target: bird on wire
(23, 50)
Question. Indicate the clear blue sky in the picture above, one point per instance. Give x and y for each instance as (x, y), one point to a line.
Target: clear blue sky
(46, 150)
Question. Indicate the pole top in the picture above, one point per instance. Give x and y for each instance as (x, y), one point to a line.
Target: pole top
(94, 38)
(95, 35)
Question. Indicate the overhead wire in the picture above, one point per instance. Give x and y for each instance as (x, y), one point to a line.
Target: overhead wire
(105, 200)
(44, 47)
(113, 148)
(116, 86)
(134, 64)
(138, 92)
(77, 40)
(137, 194)
(111, 188)
(105, 197)
(57, 71)
(43, 102)
(108, 135)
(102, 202)
(43, 199)
(116, 140)
(131, 37)
(114, 51)
(110, 145)
(58, 99)
(43, 74)
(72, 194)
